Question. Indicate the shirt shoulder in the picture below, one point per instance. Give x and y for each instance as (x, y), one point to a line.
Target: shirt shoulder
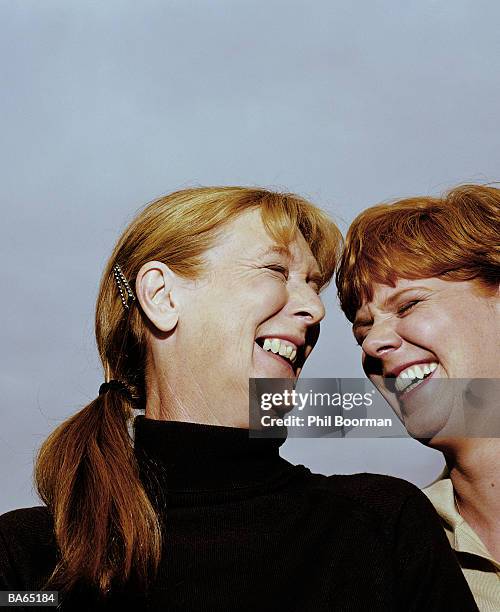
(393, 514)
(375, 494)
(28, 527)
(36, 515)
(27, 548)
(381, 507)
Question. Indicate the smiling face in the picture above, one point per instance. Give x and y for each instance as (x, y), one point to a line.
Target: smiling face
(254, 314)
(422, 330)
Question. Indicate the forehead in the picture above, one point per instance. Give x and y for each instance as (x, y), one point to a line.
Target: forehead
(246, 236)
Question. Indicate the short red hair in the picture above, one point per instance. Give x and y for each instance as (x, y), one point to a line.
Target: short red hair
(455, 237)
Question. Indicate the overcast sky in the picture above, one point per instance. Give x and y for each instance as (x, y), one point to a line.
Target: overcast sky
(107, 105)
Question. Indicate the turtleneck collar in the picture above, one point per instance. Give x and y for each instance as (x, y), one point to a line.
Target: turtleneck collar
(193, 457)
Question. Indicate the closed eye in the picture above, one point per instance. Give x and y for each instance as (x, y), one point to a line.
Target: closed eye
(279, 269)
(408, 306)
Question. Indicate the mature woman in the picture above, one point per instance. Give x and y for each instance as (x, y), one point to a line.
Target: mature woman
(195, 515)
(420, 281)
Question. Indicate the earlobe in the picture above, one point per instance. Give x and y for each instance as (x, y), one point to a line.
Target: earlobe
(154, 289)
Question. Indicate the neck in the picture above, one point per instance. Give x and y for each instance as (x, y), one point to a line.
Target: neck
(474, 472)
(180, 397)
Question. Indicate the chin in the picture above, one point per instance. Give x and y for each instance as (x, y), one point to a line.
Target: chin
(270, 367)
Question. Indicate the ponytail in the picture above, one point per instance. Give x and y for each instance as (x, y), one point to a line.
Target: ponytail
(105, 525)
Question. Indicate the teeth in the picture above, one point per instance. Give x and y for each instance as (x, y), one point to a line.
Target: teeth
(283, 350)
(414, 375)
(418, 372)
(280, 347)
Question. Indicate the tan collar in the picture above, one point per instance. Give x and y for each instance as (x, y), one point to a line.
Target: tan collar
(464, 538)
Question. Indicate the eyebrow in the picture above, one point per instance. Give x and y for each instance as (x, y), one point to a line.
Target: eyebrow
(388, 302)
(275, 250)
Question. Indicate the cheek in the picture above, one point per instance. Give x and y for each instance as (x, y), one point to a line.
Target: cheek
(274, 302)
(257, 305)
(269, 295)
(427, 332)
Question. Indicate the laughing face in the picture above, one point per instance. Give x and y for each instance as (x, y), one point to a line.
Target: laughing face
(254, 314)
(424, 330)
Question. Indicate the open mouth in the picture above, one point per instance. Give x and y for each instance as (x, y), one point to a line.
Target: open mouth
(410, 378)
(284, 351)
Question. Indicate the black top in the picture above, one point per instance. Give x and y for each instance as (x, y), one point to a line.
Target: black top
(246, 530)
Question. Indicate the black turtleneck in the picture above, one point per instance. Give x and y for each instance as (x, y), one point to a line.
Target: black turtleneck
(199, 458)
(246, 530)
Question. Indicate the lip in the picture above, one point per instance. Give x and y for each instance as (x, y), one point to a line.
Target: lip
(398, 369)
(277, 358)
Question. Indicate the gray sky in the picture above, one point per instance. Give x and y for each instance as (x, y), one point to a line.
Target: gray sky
(106, 105)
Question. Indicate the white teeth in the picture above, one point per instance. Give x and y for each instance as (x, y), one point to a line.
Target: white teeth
(418, 371)
(413, 375)
(280, 347)
(402, 382)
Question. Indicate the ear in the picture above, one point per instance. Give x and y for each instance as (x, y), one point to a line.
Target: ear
(154, 287)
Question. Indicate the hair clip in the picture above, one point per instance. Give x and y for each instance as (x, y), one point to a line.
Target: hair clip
(126, 293)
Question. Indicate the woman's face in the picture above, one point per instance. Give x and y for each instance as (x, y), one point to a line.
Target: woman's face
(253, 293)
(423, 330)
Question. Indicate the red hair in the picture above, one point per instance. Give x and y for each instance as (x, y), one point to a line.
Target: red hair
(455, 237)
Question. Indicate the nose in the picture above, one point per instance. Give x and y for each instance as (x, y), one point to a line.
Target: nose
(307, 304)
(381, 340)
